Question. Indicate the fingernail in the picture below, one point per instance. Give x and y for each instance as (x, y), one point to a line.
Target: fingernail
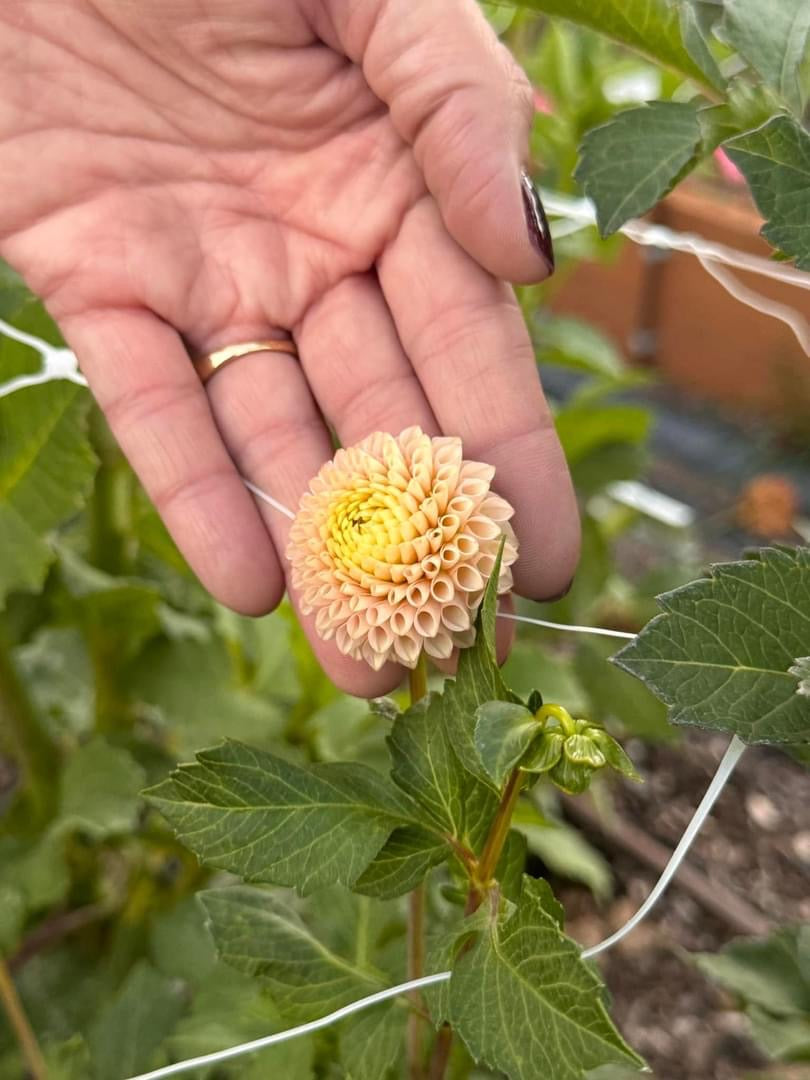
(536, 220)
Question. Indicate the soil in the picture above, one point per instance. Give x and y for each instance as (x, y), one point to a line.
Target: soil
(756, 844)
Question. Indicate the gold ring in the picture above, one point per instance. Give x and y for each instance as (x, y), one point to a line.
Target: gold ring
(205, 366)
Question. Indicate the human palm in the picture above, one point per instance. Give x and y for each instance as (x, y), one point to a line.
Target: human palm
(177, 177)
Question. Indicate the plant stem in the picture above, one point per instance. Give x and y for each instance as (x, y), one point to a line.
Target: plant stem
(10, 1000)
(417, 680)
(480, 884)
(493, 848)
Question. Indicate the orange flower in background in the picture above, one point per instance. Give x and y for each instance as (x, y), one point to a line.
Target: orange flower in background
(393, 545)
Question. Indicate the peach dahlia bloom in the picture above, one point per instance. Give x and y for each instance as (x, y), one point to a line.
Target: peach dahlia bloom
(393, 545)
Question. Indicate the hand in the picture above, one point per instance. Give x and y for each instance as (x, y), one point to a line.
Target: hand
(178, 175)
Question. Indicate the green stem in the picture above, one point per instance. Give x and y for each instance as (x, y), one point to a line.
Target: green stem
(480, 884)
(13, 1008)
(417, 680)
(29, 743)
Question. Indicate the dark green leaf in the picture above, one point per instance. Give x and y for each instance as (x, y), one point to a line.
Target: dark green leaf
(697, 37)
(720, 653)
(503, 733)
(632, 161)
(259, 816)
(406, 859)
(512, 863)
(775, 160)
(261, 934)
(129, 1030)
(774, 41)
(526, 1004)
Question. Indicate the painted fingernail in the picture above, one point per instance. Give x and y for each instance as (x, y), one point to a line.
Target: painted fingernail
(536, 220)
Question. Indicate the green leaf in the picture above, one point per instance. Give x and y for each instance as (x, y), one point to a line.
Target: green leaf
(575, 344)
(261, 934)
(585, 428)
(720, 653)
(503, 733)
(774, 42)
(768, 972)
(193, 687)
(696, 35)
(564, 850)
(801, 669)
(100, 789)
(58, 673)
(371, 1042)
(526, 1004)
(786, 1038)
(633, 160)
(614, 696)
(651, 26)
(46, 472)
(477, 681)
(406, 859)
(775, 160)
(511, 865)
(131, 1027)
(14, 293)
(259, 816)
(427, 768)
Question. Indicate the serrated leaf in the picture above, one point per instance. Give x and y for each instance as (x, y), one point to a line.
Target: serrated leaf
(131, 1027)
(426, 767)
(564, 850)
(512, 863)
(801, 669)
(265, 819)
(774, 42)
(261, 934)
(651, 26)
(405, 860)
(526, 1004)
(46, 471)
(775, 160)
(503, 733)
(785, 1038)
(371, 1042)
(632, 161)
(101, 789)
(719, 655)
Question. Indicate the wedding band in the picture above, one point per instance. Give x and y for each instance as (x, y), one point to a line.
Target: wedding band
(207, 365)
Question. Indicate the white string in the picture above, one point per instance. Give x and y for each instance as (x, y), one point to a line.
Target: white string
(764, 305)
(719, 781)
(565, 626)
(724, 771)
(661, 236)
(257, 491)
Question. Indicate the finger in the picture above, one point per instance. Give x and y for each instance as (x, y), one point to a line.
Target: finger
(143, 379)
(277, 438)
(459, 98)
(467, 340)
(356, 366)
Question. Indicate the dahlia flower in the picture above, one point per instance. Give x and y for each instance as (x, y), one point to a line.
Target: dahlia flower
(393, 545)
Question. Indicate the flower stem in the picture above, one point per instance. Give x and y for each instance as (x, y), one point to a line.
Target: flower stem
(479, 886)
(493, 848)
(417, 680)
(13, 1008)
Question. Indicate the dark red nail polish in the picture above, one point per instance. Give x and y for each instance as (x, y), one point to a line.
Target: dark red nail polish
(536, 220)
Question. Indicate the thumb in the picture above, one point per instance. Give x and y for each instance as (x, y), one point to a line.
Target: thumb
(460, 99)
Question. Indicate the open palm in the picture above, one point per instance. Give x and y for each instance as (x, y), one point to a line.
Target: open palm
(180, 176)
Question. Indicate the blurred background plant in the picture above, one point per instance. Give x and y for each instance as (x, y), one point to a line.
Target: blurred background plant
(115, 664)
